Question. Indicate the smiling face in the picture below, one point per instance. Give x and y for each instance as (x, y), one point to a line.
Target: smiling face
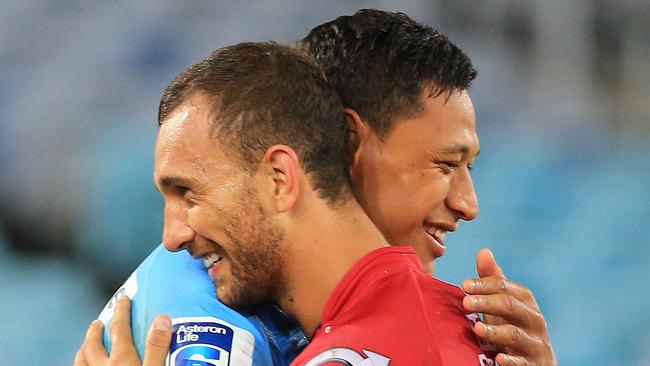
(212, 208)
(415, 184)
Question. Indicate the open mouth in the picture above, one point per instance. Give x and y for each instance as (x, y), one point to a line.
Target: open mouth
(437, 236)
(211, 259)
(213, 262)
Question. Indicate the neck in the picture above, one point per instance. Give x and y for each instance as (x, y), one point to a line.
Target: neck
(322, 251)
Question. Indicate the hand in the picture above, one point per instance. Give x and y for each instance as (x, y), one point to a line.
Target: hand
(512, 319)
(93, 352)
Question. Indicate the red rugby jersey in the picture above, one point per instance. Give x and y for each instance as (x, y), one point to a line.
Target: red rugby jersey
(387, 311)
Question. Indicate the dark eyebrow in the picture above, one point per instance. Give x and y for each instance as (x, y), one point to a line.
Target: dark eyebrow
(459, 149)
(172, 181)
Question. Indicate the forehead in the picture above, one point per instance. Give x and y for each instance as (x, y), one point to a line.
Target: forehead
(184, 147)
(444, 124)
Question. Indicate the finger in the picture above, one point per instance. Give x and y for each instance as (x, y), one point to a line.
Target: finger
(493, 319)
(508, 308)
(79, 359)
(510, 337)
(121, 336)
(94, 353)
(499, 285)
(486, 265)
(158, 340)
(509, 360)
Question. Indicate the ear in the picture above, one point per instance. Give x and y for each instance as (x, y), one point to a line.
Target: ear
(282, 173)
(356, 126)
(359, 132)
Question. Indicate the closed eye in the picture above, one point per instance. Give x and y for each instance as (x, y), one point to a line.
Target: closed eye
(185, 192)
(447, 166)
(181, 191)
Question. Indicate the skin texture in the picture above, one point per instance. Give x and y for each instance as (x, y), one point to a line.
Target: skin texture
(211, 207)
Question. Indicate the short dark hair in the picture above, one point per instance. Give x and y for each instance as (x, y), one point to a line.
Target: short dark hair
(264, 94)
(381, 62)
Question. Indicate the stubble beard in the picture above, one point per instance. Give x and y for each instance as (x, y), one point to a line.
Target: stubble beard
(256, 258)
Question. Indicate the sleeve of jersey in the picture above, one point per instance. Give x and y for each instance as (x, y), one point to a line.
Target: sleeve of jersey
(205, 332)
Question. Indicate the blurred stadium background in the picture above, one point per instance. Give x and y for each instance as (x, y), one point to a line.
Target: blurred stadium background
(563, 104)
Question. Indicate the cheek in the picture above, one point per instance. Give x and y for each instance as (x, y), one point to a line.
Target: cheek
(410, 201)
(398, 209)
(206, 219)
(434, 186)
(194, 217)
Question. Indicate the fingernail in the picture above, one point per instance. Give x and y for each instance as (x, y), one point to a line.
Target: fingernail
(485, 327)
(162, 323)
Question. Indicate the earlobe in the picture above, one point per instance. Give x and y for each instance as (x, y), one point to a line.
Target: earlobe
(283, 176)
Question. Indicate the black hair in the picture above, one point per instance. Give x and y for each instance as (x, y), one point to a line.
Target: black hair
(380, 63)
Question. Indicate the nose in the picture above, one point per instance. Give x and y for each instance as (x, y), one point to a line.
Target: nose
(176, 233)
(462, 197)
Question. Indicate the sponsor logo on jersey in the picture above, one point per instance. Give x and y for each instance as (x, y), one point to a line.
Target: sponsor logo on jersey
(206, 341)
(485, 346)
(348, 357)
(485, 360)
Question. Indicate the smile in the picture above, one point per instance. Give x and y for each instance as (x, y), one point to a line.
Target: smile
(436, 240)
(211, 259)
(438, 234)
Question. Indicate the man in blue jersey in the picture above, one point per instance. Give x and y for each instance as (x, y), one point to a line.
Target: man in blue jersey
(178, 285)
(380, 193)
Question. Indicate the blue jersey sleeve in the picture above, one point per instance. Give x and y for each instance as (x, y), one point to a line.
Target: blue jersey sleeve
(206, 332)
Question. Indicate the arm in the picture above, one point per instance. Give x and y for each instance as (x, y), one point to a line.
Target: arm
(512, 318)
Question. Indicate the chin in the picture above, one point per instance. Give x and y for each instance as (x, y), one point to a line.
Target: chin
(228, 295)
(238, 297)
(224, 296)
(430, 267)
(426, 258)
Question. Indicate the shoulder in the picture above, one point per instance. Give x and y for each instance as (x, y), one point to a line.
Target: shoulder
(386, 284)
(165, 282)
(391, 310)
(177, 285)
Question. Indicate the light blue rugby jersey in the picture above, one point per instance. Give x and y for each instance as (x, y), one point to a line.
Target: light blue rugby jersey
(206, 332)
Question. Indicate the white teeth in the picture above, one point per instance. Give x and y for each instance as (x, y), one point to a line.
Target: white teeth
(441, 234)
(437, 233)
(211, 259)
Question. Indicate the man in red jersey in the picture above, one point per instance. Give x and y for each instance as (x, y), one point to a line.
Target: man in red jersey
(411, 170)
